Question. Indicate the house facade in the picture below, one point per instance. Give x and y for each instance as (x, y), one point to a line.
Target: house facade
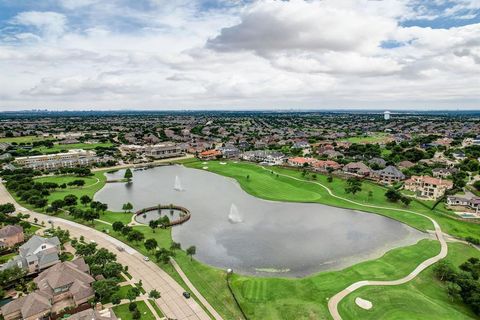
(428, 187)
(300, 161)
(390, 175)
(35, 255)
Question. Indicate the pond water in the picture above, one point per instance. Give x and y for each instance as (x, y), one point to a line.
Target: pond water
(232, 229)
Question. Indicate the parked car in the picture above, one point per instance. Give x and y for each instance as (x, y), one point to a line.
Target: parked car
(146, 259)
(186, 294)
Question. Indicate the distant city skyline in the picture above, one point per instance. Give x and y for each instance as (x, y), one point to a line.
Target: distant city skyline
(239, 55)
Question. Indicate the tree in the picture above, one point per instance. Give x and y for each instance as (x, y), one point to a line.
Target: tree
(7, 208)
(453, 290)
(57, 205)
(354, 185)
(150, 244)
(104, 289)
(132, 293)
(393, 195)
(117, 226)
(175, 246)
(154, 294)
(90, 215)
(406, 201)
(476, 185)
(329, 178)
(135, 235)
(115, 298)
(85, 200)
(191, 251)
(153, 224)
(127, 207)
(70, 200)
(444, 271)
(128, 175)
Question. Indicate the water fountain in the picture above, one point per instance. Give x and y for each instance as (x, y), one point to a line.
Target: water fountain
(178, 185)
(234, 215)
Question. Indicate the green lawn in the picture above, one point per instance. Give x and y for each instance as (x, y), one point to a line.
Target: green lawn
(423, 298)
(155, 306)
(7, 257)
(377, 137)
(65, 147)
(122, 311)
(264, 184)
(25, 139)
(273, 298)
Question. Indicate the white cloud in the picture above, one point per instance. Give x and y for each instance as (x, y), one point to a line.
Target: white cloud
(167, 54)
(50, 24)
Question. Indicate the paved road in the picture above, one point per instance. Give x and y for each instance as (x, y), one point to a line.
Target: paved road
(335, 300)
(172, 302)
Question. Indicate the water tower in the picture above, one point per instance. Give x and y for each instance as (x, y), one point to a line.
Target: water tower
(386, 115)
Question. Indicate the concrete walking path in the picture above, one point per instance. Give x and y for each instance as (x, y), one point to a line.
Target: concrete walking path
(335, 300)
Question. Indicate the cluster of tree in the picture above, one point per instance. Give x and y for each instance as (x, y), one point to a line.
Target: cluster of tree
(9, 276)
(76, 183)
(161, 222)
(461, 284)
(31, 192)
(363, 151)
(102, 262)
(78, 171)
(127, 231)
(135, 313)
(395, 196)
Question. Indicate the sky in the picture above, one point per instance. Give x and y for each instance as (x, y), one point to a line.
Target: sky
(239, 54)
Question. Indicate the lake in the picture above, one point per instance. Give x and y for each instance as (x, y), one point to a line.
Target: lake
(232, 229)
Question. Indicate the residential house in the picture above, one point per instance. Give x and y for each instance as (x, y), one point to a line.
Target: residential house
(164, 150)
(229, 152)
(443, 172)
(35, 255)
(300, 161)
(428, 187)
(65, 285)
(209, 154)
(390, 175)
(10, 236)
(357, 168)
(402, 165)
(332, 154)
(326, 165)
(267, 157)
(468, 203)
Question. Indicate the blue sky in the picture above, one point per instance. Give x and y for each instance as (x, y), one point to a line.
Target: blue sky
(205, 54)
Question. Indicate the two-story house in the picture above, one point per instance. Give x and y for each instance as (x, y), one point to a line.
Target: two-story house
(35, 255)
(65, 285)
(428, 187)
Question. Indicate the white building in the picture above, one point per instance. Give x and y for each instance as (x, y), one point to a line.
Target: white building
(386, 115)
(70, 159)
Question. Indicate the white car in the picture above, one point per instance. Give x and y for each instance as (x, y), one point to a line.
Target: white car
(146, 259)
